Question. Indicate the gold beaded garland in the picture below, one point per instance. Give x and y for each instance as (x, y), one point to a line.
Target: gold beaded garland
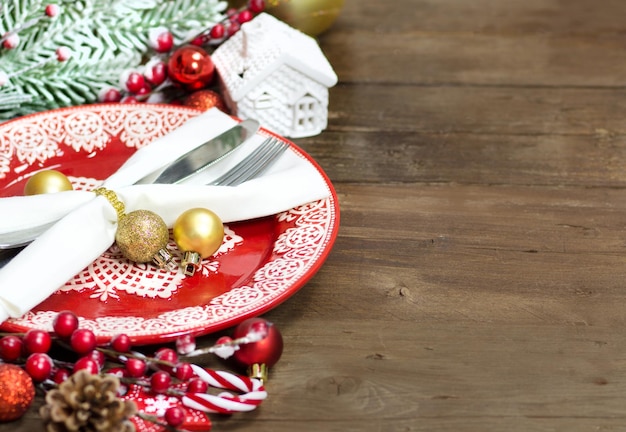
(199, 233)
(47, 181)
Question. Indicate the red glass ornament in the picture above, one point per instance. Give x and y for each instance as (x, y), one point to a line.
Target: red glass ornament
(11, 348)
(121, 343)
(16, 392)
(38, 366)
(83, 341)
(266, 352)
(160, 382)
(37, 341)
(66, 322)
(191, 66)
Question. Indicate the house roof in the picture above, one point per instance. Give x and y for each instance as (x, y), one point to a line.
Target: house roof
(263, 45)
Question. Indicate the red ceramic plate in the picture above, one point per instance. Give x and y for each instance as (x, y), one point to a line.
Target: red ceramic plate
(261, 263)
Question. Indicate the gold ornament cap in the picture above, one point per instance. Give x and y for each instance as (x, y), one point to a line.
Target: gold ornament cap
(258, 371)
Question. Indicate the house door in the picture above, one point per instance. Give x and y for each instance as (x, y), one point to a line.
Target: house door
(307, 116)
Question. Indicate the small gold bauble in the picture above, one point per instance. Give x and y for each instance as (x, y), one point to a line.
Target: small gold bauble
(47, 181)
(199, 230)
(140, 235)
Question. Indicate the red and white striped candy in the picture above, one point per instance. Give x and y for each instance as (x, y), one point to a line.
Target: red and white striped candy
(226, 403)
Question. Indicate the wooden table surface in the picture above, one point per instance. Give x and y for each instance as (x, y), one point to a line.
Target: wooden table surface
(478, 282)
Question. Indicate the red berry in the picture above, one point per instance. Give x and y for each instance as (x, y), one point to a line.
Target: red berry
(184, 371)
(88, 364)
(185, 344)
(129, 99)
(111, 95)
(217, 32)
(60, 375)
(167, 355)
(37, 341)
(174, 416)
(196, 385)
(160, 382)
(52, 10)
(121, 343)
(134, 82)
(164, 42)
(157, 74)
(98, 357)
(232, 29)
(244, 16)
(83, 341)
(197, 41)
(135, 367)
(256, 6)
(38, 366)
(66, 322)
(11, 348)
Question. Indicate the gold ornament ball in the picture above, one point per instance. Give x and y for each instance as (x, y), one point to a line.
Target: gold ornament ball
(16, 392)
(47, 181)
(199, 230)
(140, 235)
(312, 17)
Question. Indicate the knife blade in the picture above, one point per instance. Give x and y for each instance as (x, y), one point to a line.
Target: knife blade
(207, 154)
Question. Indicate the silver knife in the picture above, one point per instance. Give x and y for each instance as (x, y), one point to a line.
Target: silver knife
(204, 156)
(188, 165)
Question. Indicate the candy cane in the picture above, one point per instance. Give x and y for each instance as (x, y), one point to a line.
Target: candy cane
(226, 403)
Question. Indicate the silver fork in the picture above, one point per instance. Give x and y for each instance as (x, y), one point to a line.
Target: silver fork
(248, 168)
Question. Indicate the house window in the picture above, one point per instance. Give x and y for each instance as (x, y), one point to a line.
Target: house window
(306, 114)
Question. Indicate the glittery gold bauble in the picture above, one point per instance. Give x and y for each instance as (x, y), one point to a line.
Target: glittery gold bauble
(312, 17)
(47, 181)
(205, 100)
(140, 235)
(198, 230)
(16, 392)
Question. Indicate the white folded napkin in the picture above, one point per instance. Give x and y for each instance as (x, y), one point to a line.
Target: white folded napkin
(88, 229)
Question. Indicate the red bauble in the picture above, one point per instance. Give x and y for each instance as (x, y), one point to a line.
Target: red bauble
(16, 392)
(267, 351)
(205, 100)
(191, 66)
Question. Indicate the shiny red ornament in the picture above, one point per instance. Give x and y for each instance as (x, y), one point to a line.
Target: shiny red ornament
(262, 354)
(191, 66)
(16, 392)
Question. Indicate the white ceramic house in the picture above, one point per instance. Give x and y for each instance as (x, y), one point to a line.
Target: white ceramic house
(277, 75)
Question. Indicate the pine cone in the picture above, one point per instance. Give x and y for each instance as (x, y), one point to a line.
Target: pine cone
(85, 403)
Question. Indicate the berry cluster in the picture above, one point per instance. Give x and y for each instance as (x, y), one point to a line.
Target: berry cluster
(147, 82)
(31, 350)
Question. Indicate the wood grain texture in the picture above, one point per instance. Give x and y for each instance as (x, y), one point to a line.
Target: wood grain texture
(478, 282)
